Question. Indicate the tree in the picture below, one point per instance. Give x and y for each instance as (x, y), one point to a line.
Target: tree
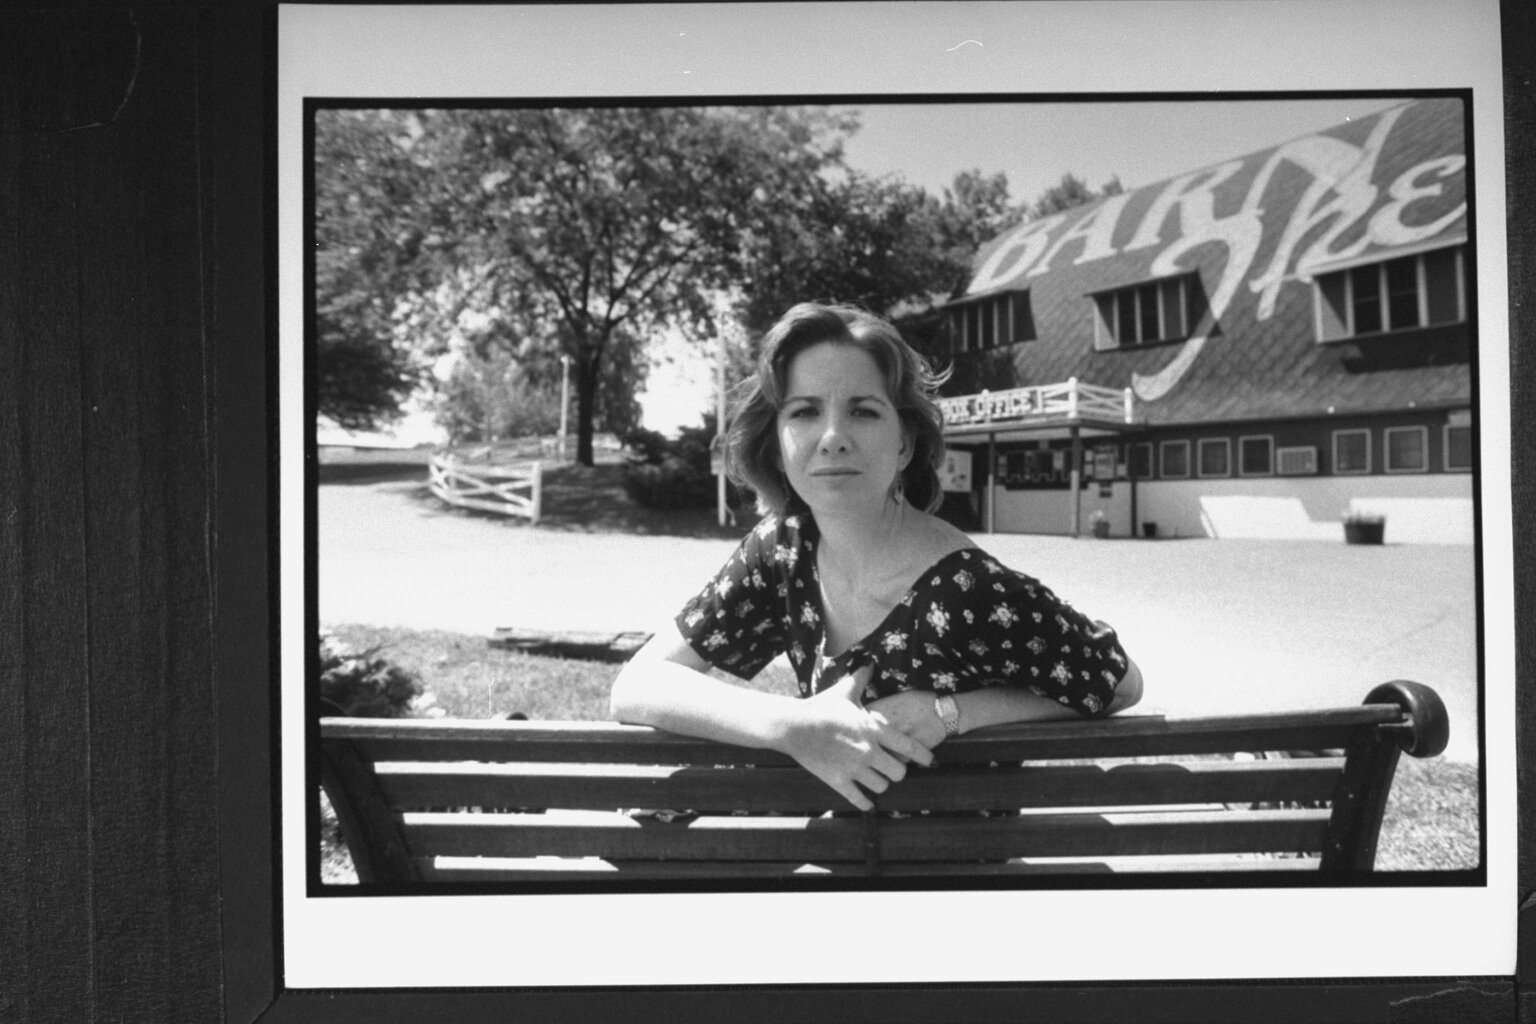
(1071, 191)
(874, 242)
(594, 227)
(490, 398)
(365, 265)
(975, 209)
(581, 232)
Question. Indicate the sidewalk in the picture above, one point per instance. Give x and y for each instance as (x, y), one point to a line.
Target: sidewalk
(1216, 626)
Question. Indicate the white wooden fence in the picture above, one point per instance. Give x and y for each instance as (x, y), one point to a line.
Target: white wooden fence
(505, 490)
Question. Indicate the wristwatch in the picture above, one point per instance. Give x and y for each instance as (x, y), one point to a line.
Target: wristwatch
(949, 713)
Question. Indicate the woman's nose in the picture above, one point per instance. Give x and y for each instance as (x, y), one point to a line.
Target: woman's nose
(834, 439)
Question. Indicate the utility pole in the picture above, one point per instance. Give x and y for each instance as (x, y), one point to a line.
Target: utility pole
(717, 446)
(565, 400)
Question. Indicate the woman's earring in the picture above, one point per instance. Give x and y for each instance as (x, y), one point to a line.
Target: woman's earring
(898, 488)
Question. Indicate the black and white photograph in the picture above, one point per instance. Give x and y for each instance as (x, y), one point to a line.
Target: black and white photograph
(1027, 490)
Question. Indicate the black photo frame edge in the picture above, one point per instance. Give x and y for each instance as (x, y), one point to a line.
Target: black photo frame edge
(246, 583)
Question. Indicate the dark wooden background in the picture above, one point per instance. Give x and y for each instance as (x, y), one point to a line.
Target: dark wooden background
(135, 769)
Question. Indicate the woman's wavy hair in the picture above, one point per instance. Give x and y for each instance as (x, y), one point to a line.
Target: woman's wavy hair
(752, 456)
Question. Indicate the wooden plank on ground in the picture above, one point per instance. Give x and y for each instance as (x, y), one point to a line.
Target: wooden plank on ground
(574, 644)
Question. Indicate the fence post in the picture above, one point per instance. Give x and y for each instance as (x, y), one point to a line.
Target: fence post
(538, 493)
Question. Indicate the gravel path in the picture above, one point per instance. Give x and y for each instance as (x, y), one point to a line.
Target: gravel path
(1216, 626)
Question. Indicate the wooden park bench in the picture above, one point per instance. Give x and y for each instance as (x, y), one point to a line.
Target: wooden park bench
(435, 800)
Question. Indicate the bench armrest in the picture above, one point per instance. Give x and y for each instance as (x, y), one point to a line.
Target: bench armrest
(1427, 729)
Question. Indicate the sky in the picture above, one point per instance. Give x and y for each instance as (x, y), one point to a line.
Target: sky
(1035, 144)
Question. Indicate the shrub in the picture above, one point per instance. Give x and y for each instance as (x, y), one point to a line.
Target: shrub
(366, 685)
(672, 484)
(664, 473)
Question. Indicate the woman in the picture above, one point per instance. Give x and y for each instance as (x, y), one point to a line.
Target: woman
(900, 630)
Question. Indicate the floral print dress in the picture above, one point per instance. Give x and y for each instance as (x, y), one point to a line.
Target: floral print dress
(966, 623)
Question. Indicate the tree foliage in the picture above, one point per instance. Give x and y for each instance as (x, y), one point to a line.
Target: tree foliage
(490, 398)
(543, 233)
(874, 242)
(1071, 192)
(975, 209)
(365, 266)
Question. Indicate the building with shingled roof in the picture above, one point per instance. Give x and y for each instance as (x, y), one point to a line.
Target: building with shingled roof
(1256, 348)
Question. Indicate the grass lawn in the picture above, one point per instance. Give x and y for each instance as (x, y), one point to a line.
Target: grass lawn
(1431, 821)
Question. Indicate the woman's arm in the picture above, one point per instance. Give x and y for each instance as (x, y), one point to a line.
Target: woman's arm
(999, 705)
(914, 712)
(666, 686)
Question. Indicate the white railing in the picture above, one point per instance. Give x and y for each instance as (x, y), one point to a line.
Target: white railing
(505, 490)
(1072, 400)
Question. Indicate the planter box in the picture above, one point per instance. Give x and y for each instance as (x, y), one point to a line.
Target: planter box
(1365, 531)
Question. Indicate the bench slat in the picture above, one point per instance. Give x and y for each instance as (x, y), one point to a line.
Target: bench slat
(483, 869)
(616, 836)
(416, 786)
(604, 787)
(1105, 835)
(1124, 736)
(550, 869)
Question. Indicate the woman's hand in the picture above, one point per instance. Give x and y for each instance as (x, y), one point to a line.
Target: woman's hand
(846, 746)
(913, 712)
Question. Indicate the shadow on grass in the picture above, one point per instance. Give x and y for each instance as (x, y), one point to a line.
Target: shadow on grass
(359, 473)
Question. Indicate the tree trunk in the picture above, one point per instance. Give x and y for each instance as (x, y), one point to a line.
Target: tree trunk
(586, 407)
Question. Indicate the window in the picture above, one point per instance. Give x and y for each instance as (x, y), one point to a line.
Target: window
(1407, 449)
(1458, 447)
(1175, 456)
(1351, 451)
(1421, 290)
(1299, 460)
(1215, 457)
(1255, 456)
(996, 320)
(1141, 461)
(1165, 310)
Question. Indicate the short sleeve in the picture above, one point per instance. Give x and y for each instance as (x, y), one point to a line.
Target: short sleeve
(998, 626)
(737, 621)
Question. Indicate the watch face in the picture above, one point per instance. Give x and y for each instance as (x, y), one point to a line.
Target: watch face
(949, 712)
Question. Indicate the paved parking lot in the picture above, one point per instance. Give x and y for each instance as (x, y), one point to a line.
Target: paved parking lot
(1229, 625)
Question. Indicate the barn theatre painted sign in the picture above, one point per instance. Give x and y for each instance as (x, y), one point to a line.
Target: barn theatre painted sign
(1394, 180)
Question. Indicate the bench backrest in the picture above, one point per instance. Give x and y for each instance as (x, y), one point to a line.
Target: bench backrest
(442, 800)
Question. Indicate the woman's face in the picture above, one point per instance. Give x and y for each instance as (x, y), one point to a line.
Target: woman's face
(840, 439)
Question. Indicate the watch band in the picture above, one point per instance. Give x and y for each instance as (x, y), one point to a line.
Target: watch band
(948, 712)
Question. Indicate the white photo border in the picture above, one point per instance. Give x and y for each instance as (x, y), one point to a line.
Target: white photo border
(862, 49)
